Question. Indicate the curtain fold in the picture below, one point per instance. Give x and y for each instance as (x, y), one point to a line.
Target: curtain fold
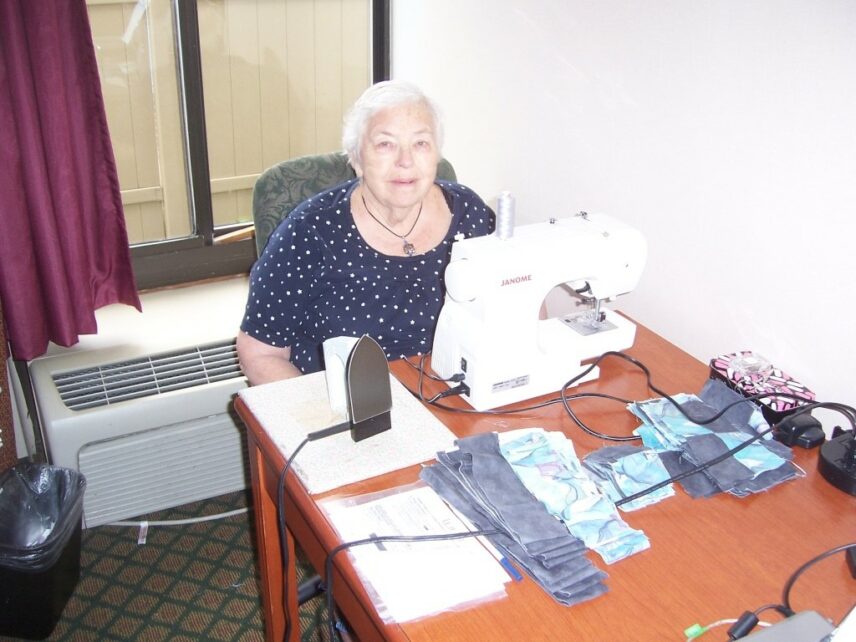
(63, 244)
(8, 449)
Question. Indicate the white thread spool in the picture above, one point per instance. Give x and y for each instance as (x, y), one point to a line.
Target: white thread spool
(505, 215)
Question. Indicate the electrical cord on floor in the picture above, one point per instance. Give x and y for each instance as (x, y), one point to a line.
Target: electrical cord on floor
(181, 522)
(377, 539)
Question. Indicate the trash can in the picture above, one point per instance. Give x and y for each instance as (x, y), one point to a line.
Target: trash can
(40, 523)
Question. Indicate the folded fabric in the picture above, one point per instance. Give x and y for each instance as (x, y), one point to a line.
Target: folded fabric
(684, 444)
(621, 471)
(548, 467)
(478, 482)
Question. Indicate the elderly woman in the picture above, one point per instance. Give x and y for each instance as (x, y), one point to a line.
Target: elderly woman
(366, 256)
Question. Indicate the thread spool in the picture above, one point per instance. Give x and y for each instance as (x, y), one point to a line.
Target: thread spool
(505, 215)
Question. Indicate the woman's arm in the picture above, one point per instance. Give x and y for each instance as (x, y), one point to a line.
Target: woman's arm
(263, 363)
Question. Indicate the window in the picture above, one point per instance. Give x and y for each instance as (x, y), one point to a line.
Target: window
(204, 95)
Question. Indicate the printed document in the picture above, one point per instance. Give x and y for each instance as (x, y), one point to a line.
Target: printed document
(410, 580)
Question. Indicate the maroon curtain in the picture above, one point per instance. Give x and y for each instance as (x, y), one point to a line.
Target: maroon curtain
(8, 450)
(63, 245)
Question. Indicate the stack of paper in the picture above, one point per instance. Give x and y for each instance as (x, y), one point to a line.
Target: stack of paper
(412, 580)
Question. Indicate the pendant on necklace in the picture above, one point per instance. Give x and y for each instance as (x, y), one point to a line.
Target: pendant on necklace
(409, 250)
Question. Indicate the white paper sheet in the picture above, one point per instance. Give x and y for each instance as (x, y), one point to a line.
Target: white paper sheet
(415, 579)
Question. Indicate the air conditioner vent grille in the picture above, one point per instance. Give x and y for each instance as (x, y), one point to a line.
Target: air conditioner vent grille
(152, 375)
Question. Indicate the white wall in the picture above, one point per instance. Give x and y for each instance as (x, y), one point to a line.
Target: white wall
(725, 130)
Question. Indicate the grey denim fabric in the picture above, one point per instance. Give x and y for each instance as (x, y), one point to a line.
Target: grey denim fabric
(696, 485)
(731, 475)
(609, 467)
(740, 474)
(478, 482)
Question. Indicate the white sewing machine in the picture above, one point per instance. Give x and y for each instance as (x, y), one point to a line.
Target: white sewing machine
(491, 327)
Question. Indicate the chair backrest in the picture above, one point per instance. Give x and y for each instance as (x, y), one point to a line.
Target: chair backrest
(284, 186)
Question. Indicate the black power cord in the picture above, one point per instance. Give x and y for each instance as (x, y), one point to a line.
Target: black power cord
(847, 411)
(377, 539)
(283, 537)
(564, 398)
(746, 622)
(786, 591)
(314, 586)
(749, 619)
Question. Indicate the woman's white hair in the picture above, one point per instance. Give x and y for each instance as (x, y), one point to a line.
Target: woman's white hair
(380, 96)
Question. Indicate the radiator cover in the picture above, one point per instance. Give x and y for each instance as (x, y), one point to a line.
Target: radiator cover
(144, 408)
(155, 469)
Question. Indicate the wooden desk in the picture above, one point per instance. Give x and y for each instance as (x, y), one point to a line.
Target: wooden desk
(709, 558)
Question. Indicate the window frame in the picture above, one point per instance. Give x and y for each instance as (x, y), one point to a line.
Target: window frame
(198, 257)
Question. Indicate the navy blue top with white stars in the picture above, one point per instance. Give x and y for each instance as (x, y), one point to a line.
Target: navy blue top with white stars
(317, 278)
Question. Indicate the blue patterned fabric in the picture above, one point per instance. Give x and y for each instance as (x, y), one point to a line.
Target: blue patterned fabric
(685, 444)
(549, 468)
(480, 483)
(621, 471)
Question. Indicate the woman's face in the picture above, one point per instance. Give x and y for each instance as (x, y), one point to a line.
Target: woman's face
(398, 156)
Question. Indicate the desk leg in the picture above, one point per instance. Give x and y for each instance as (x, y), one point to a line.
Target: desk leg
(264, 480)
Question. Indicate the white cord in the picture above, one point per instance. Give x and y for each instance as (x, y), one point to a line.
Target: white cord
(705, 629)
(182, 522)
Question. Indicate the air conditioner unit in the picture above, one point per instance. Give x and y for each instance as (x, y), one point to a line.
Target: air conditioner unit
(144, 409)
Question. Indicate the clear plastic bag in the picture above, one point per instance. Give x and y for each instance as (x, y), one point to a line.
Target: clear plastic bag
(40, 507)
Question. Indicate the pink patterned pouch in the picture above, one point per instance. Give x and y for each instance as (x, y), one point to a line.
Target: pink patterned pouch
(751, 374)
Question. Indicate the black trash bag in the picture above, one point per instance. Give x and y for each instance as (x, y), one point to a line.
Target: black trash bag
(40, 509)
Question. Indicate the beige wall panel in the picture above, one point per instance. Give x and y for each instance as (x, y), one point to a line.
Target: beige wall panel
(301, 76)
(232, 207)
(273, 81)
(168, 121)
(244, 202)
(152, 221)
(220, 120)
(224, 208)
(138, 66)
(356, 49)
(107, 24)
(217, 82)
(243, 46)
(133, 223)
(328, 75)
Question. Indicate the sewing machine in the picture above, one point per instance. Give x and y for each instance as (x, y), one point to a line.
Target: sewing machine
(492, 329)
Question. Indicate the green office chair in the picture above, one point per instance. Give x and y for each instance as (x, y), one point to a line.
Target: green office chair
(284, 186)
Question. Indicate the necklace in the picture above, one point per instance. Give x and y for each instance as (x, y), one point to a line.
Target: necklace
(408, 248)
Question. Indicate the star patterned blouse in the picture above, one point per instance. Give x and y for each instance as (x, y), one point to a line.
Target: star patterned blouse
(317, 278)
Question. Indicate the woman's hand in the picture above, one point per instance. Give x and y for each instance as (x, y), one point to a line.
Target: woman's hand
(263, 363)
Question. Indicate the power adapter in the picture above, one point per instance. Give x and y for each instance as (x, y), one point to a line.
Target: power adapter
(801, 430)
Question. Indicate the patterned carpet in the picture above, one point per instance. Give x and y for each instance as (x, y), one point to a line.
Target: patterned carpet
(186, 583)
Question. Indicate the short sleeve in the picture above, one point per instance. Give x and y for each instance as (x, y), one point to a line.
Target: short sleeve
(282, 283)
